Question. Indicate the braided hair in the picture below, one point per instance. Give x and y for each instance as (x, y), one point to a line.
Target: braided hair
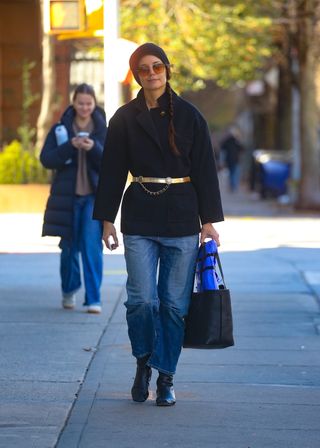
(172, 131)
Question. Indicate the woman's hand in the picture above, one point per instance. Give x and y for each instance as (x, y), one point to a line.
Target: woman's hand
(109, 232)
(85, 143)
(76, 142)
(208, 231)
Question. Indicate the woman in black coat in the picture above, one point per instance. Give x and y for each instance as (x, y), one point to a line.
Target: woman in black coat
(165, 144)
(73, 149)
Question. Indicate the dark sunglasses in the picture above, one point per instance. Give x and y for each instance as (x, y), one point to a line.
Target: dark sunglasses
(157, 68)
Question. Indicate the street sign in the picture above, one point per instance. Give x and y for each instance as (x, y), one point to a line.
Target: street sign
(64, 16)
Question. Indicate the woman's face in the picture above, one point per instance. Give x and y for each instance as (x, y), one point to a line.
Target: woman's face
(148, 78)
(84, 105)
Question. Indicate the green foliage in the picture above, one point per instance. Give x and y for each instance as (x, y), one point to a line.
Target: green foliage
(26, 134)
(225, 41)
(25, 131)
(18, 162)
(18, 166)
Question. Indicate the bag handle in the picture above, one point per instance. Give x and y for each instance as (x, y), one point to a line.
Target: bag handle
(220, 269)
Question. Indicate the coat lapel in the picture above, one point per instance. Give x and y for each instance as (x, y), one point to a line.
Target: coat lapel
(145, 120)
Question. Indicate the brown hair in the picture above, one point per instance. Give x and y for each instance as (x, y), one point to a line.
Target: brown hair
(84, 88)
(172, 131)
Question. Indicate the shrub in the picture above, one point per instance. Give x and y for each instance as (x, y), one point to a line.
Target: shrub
(18, 166)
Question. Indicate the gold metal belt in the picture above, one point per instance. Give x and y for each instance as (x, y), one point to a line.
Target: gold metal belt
(159, 180)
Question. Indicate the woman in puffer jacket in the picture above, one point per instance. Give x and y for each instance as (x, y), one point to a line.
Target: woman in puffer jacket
(73, 149)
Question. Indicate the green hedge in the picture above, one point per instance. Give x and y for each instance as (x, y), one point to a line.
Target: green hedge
(18, 166)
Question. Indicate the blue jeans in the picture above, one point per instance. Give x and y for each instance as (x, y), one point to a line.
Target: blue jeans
(159, 285)
(234, 177)
(87, 240)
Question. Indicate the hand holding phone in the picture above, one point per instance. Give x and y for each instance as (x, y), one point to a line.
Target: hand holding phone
(83, 134)
(83, 141)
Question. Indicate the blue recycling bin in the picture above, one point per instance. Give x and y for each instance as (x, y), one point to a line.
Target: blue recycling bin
(274, 177)
(273, 169)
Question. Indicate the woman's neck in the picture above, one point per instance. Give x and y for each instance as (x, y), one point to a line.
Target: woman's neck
(151, 97)
(82, 122)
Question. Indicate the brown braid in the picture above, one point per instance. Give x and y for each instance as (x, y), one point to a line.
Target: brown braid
(172, 131)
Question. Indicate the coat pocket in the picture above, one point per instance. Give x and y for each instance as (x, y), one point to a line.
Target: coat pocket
(138, 205)
(183, 205)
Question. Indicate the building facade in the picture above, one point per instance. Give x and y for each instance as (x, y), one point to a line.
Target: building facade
(20, 46)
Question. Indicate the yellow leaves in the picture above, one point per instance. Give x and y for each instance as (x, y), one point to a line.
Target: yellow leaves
(224, 40)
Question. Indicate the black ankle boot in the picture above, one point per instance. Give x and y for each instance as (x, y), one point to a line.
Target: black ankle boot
(165, 392)
(139, 391)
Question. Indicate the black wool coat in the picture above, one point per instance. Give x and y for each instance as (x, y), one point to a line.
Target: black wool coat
(63, 159)
(137, 142)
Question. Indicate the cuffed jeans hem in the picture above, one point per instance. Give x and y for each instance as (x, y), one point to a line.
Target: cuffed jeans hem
(167, 372)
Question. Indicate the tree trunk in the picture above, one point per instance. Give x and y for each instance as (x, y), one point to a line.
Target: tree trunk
(283, 135)
(309, 188)
(48, 90)
(284, 93)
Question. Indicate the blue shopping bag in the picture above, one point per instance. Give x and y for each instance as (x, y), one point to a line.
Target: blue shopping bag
(206, 277)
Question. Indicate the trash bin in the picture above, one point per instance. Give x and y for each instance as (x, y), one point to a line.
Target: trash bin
(271, 172)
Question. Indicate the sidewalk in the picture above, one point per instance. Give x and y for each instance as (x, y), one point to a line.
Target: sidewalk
(65, 378)
(45, 351)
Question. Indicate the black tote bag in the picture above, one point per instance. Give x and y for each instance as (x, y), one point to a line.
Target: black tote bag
(208, 324)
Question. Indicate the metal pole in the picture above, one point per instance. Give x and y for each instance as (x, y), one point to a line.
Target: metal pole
(112, 95)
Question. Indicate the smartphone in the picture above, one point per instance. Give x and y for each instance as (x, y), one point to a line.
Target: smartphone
(83, 134)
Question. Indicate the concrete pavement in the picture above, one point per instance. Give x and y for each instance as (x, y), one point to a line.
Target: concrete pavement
(45, 351)
(264, 392)
(65, 377)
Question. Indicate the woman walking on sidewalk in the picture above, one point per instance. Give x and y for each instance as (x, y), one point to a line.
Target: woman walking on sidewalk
(165, 143)
(73, 148)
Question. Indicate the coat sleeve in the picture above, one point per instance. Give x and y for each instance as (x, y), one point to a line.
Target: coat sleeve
(204, 174)
(53, 156)
(113, 172)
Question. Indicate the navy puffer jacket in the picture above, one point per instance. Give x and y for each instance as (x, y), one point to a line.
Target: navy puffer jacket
(63, 160)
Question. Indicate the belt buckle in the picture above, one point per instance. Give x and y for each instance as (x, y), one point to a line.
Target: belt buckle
(168, 180)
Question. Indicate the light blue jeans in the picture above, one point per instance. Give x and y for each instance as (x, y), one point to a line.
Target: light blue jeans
(160, 281)
(87, 240)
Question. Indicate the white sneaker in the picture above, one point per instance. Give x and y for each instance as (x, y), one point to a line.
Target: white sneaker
(69, 301)
(94, 309)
